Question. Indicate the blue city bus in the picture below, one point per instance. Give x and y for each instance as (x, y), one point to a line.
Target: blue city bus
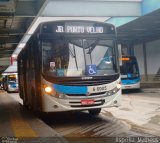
(70, 65)
(130, 76)
(10, 83)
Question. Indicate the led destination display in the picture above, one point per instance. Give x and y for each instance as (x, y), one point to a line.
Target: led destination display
(78, 28)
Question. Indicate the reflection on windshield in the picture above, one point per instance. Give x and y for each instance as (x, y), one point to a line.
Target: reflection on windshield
(78, 57)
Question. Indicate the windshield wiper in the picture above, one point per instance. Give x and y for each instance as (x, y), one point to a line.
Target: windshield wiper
(75, 57)
(93, 45)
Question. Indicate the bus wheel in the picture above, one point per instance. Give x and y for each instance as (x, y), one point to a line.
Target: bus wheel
(94, 112)
(8, 91)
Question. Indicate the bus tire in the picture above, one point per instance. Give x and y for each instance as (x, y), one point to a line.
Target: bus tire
(8, 91)
(21, 92)
(94, 112)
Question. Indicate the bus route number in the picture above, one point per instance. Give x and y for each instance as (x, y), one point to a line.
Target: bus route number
(99, 88)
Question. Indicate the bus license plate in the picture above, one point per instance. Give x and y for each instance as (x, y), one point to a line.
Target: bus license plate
(127, 87)
(95, 89)
(87, 102)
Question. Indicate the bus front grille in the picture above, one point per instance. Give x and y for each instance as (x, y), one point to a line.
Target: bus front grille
(92, 94)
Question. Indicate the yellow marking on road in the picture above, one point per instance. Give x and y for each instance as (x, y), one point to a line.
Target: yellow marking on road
(22, 128)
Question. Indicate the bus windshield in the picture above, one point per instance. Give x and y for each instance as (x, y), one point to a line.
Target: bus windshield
(78, 57)
(12, 80)
(129, 68)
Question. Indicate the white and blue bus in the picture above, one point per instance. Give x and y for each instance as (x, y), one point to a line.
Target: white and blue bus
(70, 65)
(130, 76)
(10, 83)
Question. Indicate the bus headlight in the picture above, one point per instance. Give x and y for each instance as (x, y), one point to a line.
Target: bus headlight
(119, 85)
(61, 95)
(114, 90)
(48, 89)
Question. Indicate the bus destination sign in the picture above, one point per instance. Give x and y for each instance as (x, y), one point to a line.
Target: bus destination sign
(79, 29)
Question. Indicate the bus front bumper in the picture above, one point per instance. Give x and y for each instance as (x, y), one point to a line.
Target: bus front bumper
(52, 104)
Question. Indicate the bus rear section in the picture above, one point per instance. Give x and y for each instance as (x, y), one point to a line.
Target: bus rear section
(130, 76)
(70, 65)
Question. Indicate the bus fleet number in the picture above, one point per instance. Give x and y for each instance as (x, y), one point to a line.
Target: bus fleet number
(99, 88)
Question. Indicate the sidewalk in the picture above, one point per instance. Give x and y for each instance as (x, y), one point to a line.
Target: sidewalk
(150, 84)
